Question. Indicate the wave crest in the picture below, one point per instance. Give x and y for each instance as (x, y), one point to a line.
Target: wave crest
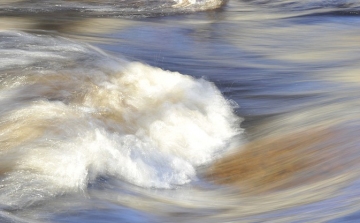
(72, 114)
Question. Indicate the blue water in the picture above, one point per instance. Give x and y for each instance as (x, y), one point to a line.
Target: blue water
(281, 66)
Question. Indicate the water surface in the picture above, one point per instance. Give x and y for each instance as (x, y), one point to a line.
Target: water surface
(117, 111)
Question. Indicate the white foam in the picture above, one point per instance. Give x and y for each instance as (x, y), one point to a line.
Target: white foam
(127, 120)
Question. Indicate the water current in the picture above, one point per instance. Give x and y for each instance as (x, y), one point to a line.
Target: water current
(179, 111)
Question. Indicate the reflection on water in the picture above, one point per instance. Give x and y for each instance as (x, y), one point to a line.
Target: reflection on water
(89, 135)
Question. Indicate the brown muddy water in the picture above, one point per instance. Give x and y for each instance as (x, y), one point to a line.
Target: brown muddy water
(179, 111)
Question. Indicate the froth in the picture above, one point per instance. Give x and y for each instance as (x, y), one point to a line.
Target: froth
(63, 128)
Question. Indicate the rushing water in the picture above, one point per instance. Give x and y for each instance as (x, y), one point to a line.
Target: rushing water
(123, 111)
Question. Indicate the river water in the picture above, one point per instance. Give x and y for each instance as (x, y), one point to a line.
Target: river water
(126, 111)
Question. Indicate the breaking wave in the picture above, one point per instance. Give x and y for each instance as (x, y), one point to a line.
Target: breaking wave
(70, 114)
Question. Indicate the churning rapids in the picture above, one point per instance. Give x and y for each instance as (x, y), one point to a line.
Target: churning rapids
(179, 111)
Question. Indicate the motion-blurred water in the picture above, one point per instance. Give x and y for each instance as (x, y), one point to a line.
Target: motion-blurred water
(115, 111)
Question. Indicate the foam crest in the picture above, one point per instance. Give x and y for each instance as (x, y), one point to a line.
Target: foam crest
(62, 126)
